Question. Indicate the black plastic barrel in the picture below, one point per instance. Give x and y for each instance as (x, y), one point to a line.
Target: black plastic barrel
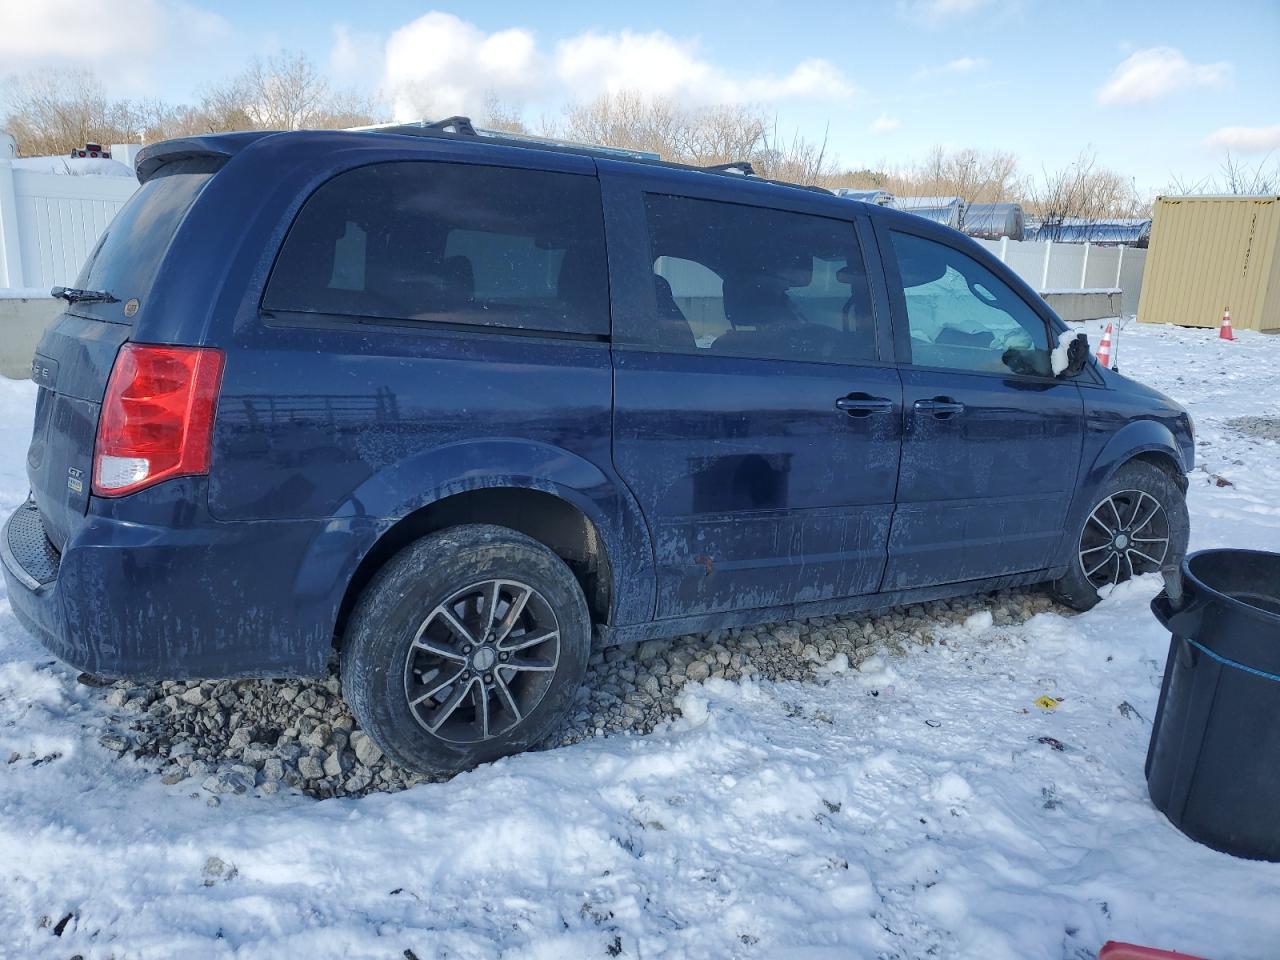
(1213, 766)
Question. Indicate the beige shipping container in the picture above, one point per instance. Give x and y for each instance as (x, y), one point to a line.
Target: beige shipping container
(1209, 254)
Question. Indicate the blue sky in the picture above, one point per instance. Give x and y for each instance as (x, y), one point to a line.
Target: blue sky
(1157, 89)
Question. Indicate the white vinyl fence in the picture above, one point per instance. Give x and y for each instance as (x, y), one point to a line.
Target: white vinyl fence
(49, 222)
(1052, 267)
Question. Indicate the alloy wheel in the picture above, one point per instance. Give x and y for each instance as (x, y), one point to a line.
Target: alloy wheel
(1126, 535)
(482, 661)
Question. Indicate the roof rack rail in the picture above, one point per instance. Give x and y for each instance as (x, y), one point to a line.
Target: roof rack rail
(455, 124)
(741, 167)
(462, 126)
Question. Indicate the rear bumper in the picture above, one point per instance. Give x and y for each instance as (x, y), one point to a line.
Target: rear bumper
(201, 599)
(31, 571)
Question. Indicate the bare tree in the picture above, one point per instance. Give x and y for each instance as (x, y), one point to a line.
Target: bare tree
(718, 134)
(796, 160)
(51, 112)
(501, 115)
(865, 178)
(979, 176)
(1235, 178)
(1081, 192)
(630, 121)
(285, 92)
(725, 133)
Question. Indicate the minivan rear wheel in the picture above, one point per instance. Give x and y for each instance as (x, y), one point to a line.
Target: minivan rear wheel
(469, 645)
(1138, 524)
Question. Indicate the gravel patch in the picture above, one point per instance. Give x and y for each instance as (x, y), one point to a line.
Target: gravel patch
(258, 737)
(1266, 428)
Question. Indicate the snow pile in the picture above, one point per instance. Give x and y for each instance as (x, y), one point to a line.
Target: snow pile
(25, 293)
(978, 797)
(73, 166)
(1060, 358)
(240, 736)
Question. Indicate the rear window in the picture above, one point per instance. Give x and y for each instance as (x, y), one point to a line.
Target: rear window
(449, 243)
(126, 259)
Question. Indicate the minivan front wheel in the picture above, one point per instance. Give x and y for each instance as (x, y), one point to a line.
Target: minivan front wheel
(467, 646)
(1137, 525)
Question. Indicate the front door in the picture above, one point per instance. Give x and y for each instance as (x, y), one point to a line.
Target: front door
(991, 439)
(754, 418)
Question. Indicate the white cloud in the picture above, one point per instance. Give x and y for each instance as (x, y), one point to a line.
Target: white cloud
(885, 124)
(964, 64)
(356, 56)
(127, 41)
(1157, 72)
(659, 65)
(651, 63)
(440, 64)
(960, 65)
(815, 79)
(1245, 139)
(936, 13)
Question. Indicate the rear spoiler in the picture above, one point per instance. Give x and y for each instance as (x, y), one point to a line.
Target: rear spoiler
(193, 153)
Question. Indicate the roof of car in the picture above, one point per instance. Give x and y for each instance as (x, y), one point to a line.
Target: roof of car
(222, 146)
(731, 181)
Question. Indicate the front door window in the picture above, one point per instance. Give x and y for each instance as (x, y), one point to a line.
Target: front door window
(961, 316)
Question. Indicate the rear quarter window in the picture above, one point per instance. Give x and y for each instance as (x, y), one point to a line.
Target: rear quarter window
(449, 243)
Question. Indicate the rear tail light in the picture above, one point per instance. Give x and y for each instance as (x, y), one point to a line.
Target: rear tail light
(157, 417)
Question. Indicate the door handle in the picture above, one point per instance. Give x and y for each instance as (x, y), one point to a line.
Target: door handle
(863, 405)
(942, 408)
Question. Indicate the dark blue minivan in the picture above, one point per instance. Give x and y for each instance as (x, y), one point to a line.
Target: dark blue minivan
(451, 409)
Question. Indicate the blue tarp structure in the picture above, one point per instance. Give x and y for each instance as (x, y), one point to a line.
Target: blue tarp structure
(1134, 232)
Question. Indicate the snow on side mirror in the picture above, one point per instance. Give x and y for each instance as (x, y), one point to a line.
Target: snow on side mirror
(1071, 354)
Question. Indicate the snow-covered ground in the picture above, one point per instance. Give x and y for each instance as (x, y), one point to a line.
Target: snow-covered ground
(73, 166)
(921, 806)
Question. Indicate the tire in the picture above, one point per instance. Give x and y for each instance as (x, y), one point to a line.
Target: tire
(1123, 509)
(429, 705)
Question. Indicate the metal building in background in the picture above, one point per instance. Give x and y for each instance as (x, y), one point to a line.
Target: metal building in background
(991, 221)
(948, 211)
(881, 198)
(1210, 254)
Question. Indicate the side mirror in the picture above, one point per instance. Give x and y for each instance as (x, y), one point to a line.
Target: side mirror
(1077, 355)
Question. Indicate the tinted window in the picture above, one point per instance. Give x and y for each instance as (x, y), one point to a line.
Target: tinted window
(755, 282)
(452, 243)
(125, 261)
(963, 317)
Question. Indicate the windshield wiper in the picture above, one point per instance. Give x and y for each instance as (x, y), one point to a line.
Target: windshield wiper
(74, 295)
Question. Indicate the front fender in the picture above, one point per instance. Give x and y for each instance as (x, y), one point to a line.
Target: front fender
(1134, 438)
(431, 475)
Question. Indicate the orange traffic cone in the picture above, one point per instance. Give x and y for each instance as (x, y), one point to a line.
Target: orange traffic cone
(1104, 348)
(1224, 331)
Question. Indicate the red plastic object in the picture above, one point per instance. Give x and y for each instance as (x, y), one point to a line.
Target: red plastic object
(157, 417)
(1113, 950)
(1224, 331)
